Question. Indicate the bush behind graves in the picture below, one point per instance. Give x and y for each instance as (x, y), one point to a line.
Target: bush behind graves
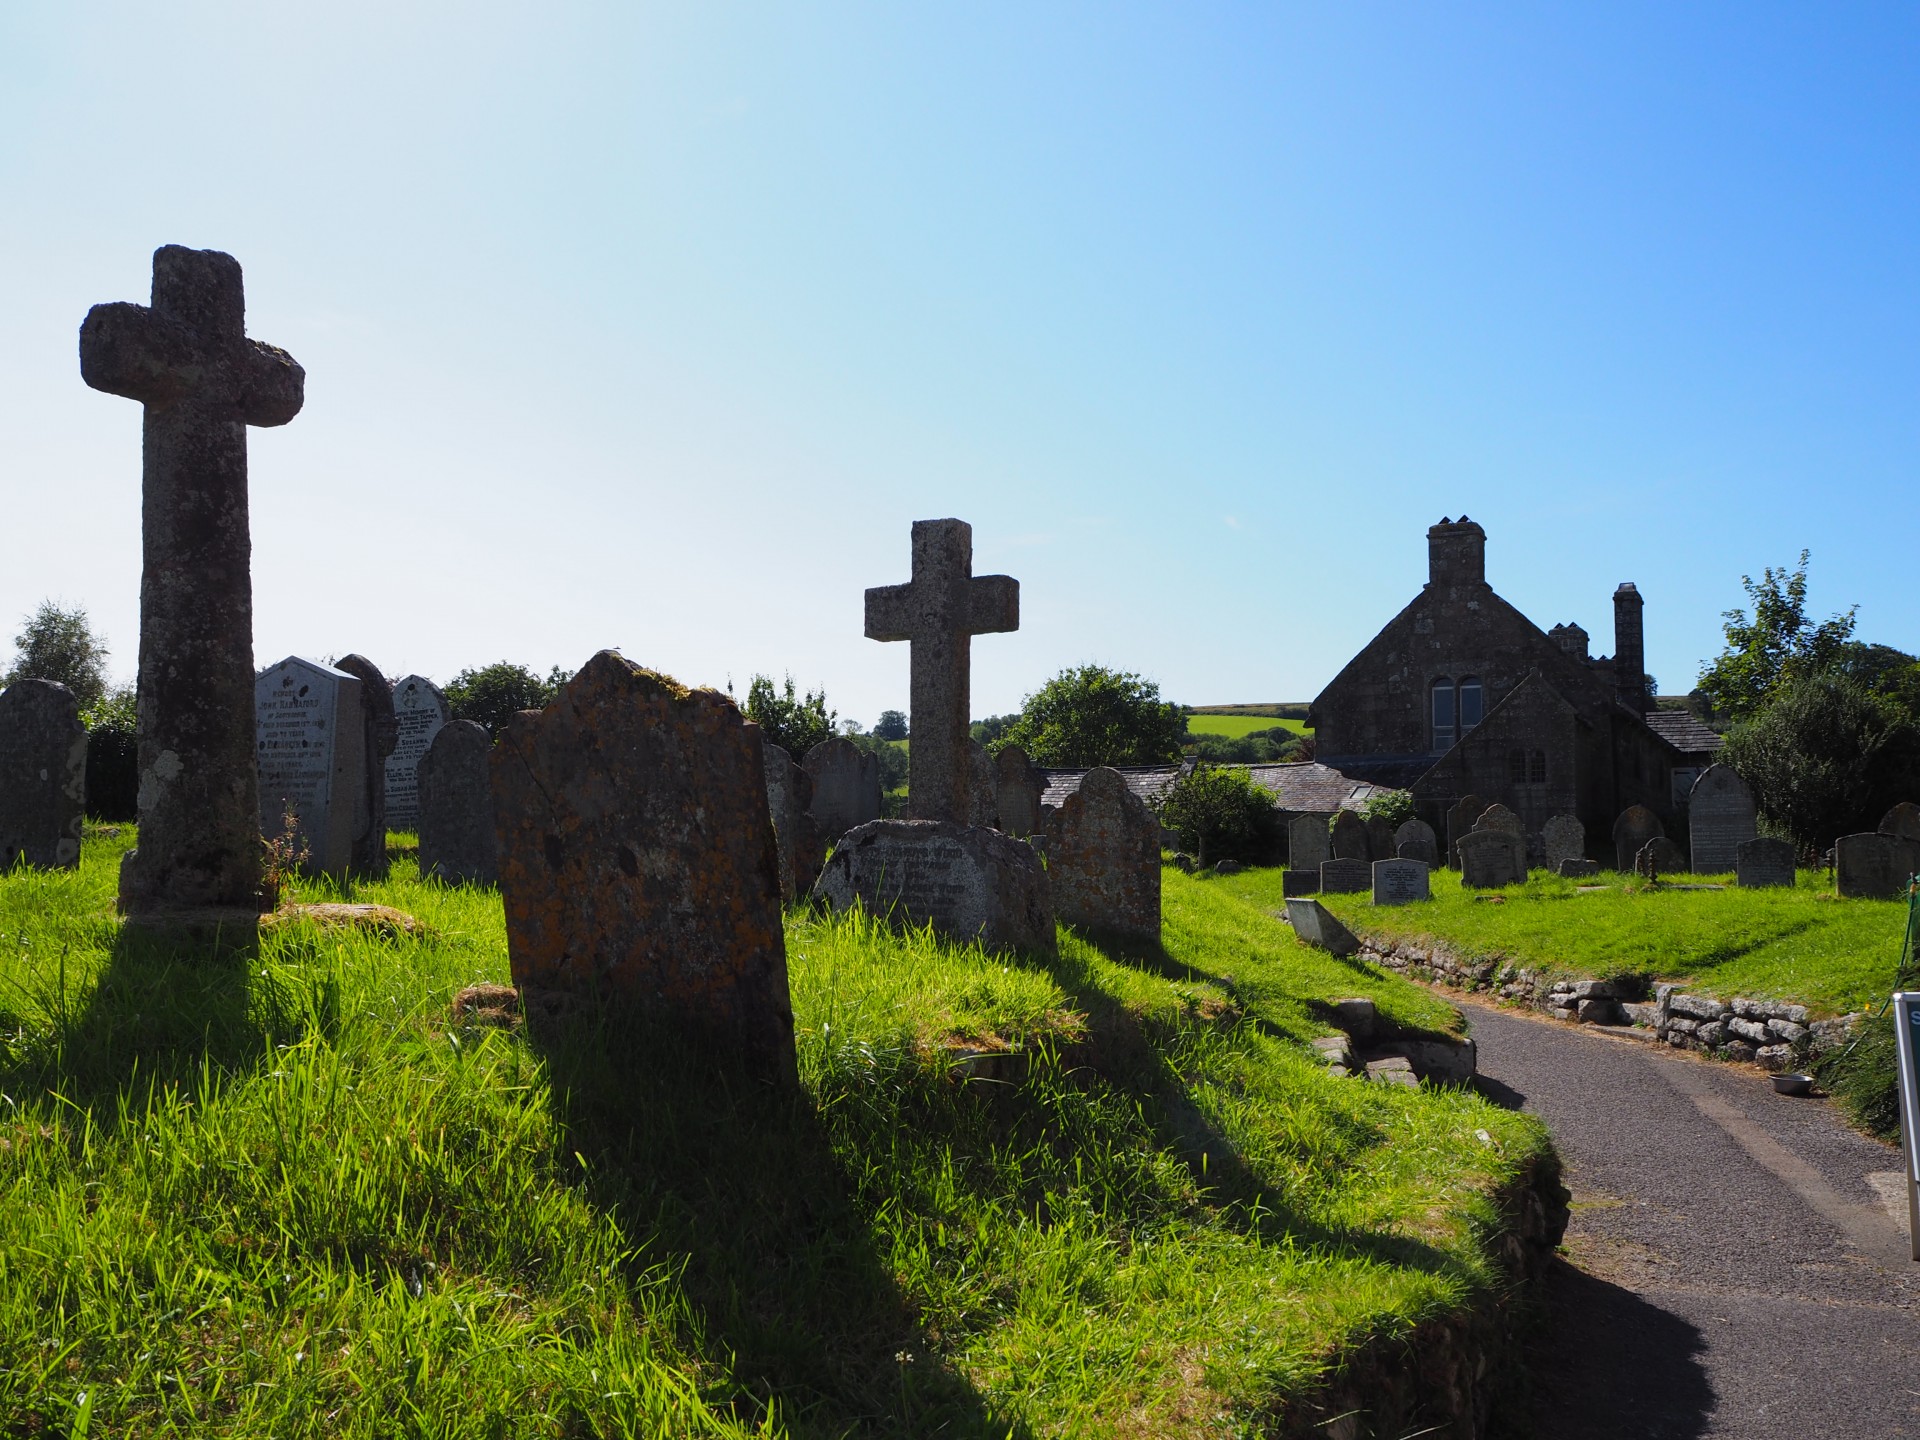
(59, 645)
(1091, 715)
(1393, 806)
(113, 770)
(491, 695)
(787, 718)
(1221, 814)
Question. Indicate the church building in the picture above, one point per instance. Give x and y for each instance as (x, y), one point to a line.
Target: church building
(1460, 694)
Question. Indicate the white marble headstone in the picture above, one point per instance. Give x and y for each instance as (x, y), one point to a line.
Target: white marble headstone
(312, 750)
(420, 709)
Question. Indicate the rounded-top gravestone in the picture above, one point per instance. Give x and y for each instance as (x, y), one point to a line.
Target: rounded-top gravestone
(1902, 820)
(846, 786)
(1415, 840)
(1764, 862)
(967, 882)
(1635, 827)
(312, 760)
(43, 776)
(1720, 819)
(419, 710)
(1018, 787)
(454, 807)
(1460, 818)
(1563, 838)
(379, 733)
(1349, 835)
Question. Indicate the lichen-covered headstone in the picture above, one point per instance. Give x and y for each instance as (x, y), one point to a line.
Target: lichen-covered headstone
(43, 776)
(1635, 827)
(1460, 818)
(453, 803)
(1348, 834)
(968, 883)
(1492, 858)
(187, 359)
(983, 785)
(1018, 786)
(1400, 882)
(796, 837)
(379, 733)
(1563, 838)
(1902, 820)
(1345, 877)
(1721, 817)
(1103, 859)
(419, 710)
(846, 786)
(1308, 844)
(1764, 862)
(312, 760)
(1415, 840)
(1874, 866)
(637, 859)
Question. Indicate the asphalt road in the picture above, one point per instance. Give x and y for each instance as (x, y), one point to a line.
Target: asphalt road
(1731, 1268)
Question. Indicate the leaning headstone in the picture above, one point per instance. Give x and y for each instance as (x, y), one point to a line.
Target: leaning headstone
(1720, 819)
(1563, 838)
(846, 786)
(1345, 877)
(1103, 859)
(454, 807)
(967, 883)
(1902, 820)
(1381, 844)
(1299, 882)
(1460, 818)
(187, 358)
(1317, 925)
(1018, 786)
(1308, 843)
(1492, 858)
(939, 612)
(1635, 827)
(1764, 862)
(312, 760)
(1400, 882)
(1415, 840)
(43, 776)
(1659, 856)
(419, 710)
(983, 785)
(1874, 866)
(1349, 836)
(796, 838)
(379, 733)
(637, 860)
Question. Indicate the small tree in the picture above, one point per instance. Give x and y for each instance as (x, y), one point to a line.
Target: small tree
(1216, 810)
(113, 770)
(992, 730)
(797, 722)
(892, 725)
(1096, 716)
(1393, 806)
(492, 694)
(59, 645)
(1773, 648)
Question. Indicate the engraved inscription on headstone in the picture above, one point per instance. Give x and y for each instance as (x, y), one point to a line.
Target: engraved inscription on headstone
(1564, 838)
(1415, 840)
(1344, 877)
(1764, 862)
(1720, 819)
(1400, 882)
(968, 883)
(311, 752)
(419, 709)
(1492, 858)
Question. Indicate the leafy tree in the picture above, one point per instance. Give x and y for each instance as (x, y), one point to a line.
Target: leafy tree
(1393, 806)
(492, 694)
(1215, 810)
(798, 722)
(59, 645)
(892, 759)
(1885, 671)
(1826, 757)
(892, 725)
(1096, 716)
(992, 730)
(1775, 646)
(113, 769)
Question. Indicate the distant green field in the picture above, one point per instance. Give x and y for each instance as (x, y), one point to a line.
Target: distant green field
(1234, 726)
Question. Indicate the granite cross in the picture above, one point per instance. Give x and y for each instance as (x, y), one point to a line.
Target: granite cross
(939, 611)
(188, 360)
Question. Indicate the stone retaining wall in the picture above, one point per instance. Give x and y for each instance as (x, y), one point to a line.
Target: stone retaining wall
(1771, 1033)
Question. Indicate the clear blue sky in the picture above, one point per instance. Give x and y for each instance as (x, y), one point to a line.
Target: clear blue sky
(657, 327)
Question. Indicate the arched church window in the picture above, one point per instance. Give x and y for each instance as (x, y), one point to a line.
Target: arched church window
(1444, 732)
(1537, 768)
(1517, 767)
(1472, 702)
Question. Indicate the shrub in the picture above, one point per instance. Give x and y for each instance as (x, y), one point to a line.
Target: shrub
(1220, 813)
(1096, 716)
(493, 694)
(1393, 806)
(113, 769)
(59, 645)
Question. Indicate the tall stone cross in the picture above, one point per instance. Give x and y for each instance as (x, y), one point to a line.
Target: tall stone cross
(939, 612)
(187, 358)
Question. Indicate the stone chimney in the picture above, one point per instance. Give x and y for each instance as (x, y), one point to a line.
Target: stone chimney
(1572, 641)
(1456, 553)
(1629, 648)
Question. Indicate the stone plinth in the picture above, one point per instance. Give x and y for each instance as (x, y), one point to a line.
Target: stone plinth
(968, 883)
(43, 776)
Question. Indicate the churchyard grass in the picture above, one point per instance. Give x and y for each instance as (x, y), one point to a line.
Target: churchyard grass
(1800, 944)
(1235, 726)
(284, 1193)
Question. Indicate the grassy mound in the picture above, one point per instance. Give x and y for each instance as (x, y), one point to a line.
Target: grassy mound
(282, 1190)
(1800, 944)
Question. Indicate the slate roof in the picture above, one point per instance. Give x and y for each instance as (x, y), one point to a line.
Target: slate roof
(1683, 730)
(1301, 786)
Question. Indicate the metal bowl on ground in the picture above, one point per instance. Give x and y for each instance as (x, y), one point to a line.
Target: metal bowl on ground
(1793, 1084)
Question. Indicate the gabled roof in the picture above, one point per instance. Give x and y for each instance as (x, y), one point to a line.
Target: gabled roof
(1684, 730)
(1149, 782)
(1298, 785)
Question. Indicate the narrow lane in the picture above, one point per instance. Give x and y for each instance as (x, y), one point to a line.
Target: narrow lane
(1733, 1268)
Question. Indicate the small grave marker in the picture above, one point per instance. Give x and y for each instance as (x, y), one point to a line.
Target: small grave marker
(1345, 877)
(1635, 827)
(1764, 862)
(1400, 882)
(1563, 838)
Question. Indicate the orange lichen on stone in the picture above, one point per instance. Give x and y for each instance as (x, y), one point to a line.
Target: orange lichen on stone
(637, 857)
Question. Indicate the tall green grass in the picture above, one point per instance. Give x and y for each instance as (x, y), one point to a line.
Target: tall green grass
(279, 1191)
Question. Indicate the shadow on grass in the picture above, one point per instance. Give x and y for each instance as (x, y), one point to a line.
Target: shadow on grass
(734, 1182)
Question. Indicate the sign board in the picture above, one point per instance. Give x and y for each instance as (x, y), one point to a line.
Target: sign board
(1906, 1033)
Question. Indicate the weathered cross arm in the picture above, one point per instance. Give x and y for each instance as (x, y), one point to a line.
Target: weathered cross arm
(273, 386)
(993, 604)
(129, 350)
(890, 612)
